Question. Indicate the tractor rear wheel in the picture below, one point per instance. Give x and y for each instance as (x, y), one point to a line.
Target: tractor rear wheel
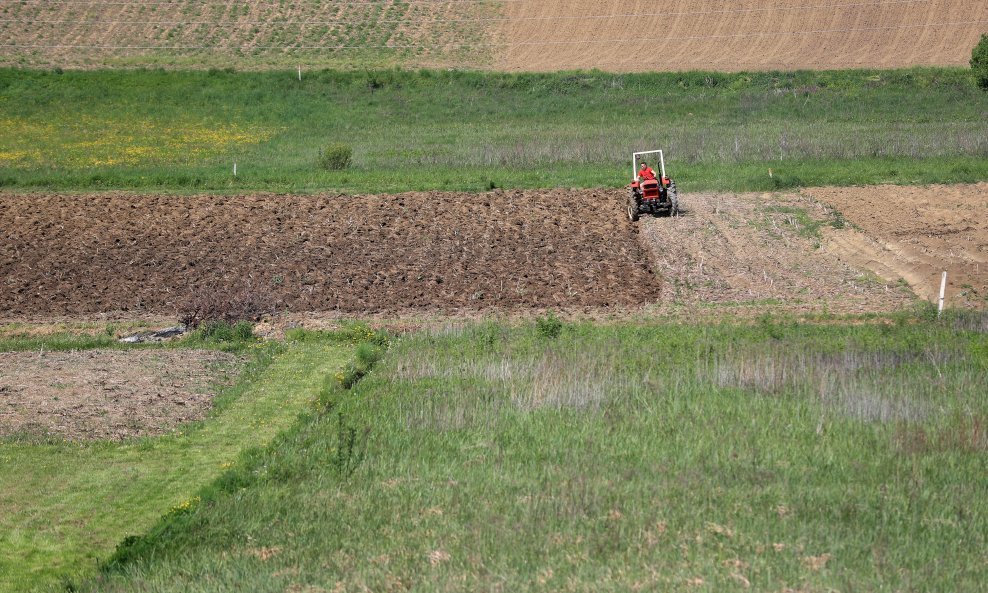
(673, 200)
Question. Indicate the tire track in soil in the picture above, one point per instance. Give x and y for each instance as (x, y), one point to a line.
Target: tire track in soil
(414, 252)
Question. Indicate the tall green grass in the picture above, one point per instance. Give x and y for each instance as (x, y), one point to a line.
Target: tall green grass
(762, 457)
(427, 129)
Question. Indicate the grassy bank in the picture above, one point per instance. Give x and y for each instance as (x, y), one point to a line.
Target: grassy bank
(757, 457)
(182, 131)
(65, 506)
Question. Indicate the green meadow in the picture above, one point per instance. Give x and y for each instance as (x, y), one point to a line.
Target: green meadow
(430, 129)
(842, 454)
(758, 454)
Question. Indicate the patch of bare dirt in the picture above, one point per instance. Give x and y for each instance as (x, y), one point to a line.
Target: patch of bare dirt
(253, 35)
(108, 394)
(760, 249)
(917, 233)
(77, 255)
(681, 35)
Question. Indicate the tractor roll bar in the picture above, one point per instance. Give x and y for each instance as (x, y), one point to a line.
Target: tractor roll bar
(634, 162)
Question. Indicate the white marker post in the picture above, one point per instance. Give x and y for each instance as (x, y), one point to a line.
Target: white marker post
(943, 288)
(234, 168)
(300, 72)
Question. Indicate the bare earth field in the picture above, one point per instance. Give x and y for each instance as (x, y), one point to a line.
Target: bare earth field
(79, 256)
(759, 249)
(108, 394)
(63, 255)
(740, 35)
(916, 233)
(526, 35)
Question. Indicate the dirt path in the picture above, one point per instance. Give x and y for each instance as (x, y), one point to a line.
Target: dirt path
(916, 233)
(108, 394)
(741, 35)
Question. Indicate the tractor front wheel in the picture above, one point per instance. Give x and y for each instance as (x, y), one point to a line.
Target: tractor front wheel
(673, 200)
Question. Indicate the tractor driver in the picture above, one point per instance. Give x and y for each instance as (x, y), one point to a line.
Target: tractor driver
(645, 173)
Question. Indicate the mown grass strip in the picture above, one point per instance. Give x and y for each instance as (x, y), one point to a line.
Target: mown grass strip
(64, 506)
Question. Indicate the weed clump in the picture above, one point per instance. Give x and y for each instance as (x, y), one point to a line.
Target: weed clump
(371, 346)
(351, 447)
(222, 331)
(549, 326)
(336, 157)
(367, 355)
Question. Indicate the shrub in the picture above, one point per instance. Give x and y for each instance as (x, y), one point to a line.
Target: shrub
(229, 306)
(979, 61)
(219, 331)
(336, 157)
(549, 326)
(243, 331)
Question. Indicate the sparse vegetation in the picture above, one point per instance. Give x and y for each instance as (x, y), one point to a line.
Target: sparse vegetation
(798, 218)
(264, 37)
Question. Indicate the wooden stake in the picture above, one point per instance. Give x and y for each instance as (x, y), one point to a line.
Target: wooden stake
(943, 288)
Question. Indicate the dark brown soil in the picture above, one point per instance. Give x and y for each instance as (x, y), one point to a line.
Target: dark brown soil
(107, 394)
(85, 254)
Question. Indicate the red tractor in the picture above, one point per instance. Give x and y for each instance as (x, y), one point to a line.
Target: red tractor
(649, 194)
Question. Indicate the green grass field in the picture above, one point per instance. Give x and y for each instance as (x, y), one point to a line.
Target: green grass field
(64, 507)
(420, 130)
(763, 455)
(775, 455)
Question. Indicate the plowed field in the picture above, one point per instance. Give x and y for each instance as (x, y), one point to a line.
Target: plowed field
(822, 249)
(541, 35)
(619, 35)
(82, 254)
